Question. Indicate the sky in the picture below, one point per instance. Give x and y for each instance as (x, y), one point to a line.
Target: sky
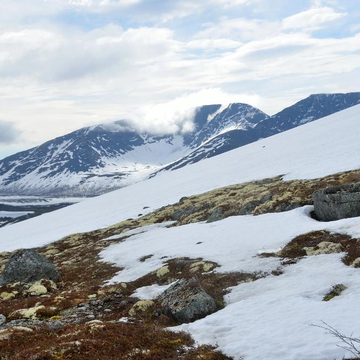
(65, 64)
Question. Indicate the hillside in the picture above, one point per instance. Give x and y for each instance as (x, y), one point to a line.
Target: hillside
(233, 221)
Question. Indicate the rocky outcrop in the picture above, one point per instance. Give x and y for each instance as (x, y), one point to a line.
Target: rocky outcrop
(337, 202)
(187, 301)
(28, 266)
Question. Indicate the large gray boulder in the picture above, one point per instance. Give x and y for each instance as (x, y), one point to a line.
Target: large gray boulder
(28, 266)
(338, 202)
(187, 301)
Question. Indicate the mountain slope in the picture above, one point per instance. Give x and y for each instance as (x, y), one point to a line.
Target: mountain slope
(310, 109)
(97, 159)
(264, 159)
(277, 308)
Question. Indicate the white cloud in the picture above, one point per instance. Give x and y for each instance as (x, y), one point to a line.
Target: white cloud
(57, 77)
(175, 116)
(8, 132)
(240, 29)
(312, 19)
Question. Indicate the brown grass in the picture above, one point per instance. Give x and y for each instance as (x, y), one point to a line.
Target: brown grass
(105, 341)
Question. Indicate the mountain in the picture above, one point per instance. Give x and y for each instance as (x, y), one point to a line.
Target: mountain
(310, 109)
(274, 272)
(101, 158)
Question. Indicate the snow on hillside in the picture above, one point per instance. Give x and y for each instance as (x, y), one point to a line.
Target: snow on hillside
(269, 318)
(316, 149)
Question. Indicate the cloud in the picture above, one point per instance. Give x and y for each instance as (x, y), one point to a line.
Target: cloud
(176, 116)
(312, 19)
(8, 132)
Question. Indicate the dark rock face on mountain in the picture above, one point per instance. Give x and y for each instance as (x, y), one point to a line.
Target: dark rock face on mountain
(312, 108)
(102, 158)
(338, 202)
(28, 266)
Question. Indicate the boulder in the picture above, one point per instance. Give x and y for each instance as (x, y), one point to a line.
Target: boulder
(187, 301)
(28, 266)
(338, 202)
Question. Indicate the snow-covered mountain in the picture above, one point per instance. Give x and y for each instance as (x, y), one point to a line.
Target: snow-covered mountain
(312, 108)
(271, 315)
(98, 159)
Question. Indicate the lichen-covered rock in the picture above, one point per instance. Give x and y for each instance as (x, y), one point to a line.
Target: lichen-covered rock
(337, 202)
(187, 301)
(325, 247)
(141, 306)
(30, 313)
(162, 271)
(37, 289)
(28, 266)
(201, 265)
(7, 296)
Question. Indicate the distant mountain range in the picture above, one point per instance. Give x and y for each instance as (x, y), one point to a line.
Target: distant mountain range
(98, 159)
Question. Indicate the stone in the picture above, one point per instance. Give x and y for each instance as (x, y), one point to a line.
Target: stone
(140, 306)
(37, 289)
(28, 266)
(356, 263)
(187, 301)
(206, 266)
(249, 207)
(216, 215)
(2, 319)
(178, 214)
(338, 202)
(7, 296)
(162, 271)
(325, 247)
(30, 313)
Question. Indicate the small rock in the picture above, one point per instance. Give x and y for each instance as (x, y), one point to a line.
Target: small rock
(187, 301)
(2, 319)
(7, 296)
(140, 306)
(249, 207)
(178, 214)
(216, 215)
(27, 313)
(37, 289)
(28, 266)
(56, 325)
(163, 271)
(325, 247)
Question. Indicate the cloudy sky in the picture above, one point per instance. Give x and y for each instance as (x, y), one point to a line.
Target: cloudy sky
(65, 64)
